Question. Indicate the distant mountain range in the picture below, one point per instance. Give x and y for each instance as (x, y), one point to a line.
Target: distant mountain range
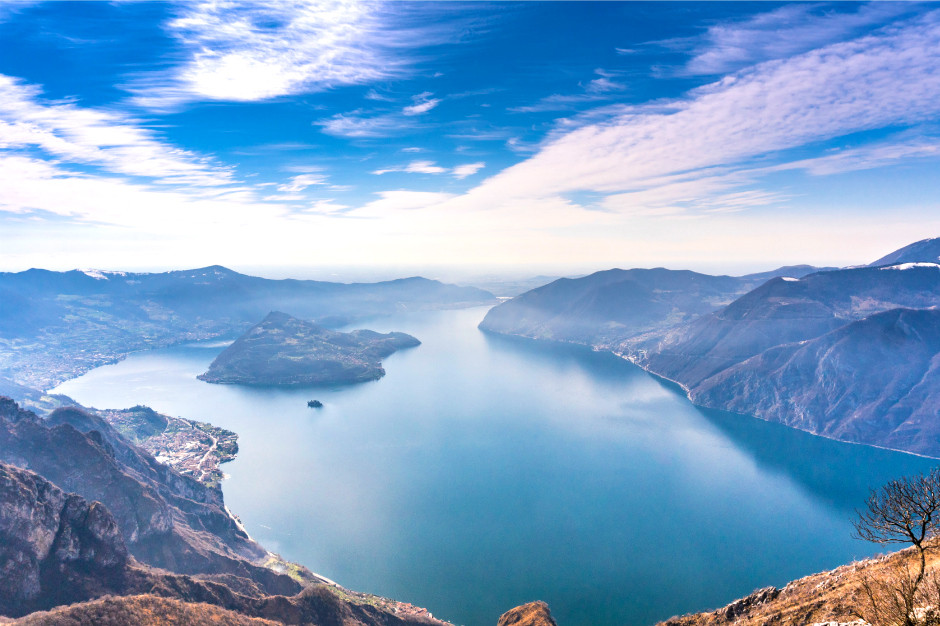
(614, 304)
(852, 354)
(57, 325)
(283, 350)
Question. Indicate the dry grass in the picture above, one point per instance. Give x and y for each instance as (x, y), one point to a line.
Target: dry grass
(835, 596)
(142, 610)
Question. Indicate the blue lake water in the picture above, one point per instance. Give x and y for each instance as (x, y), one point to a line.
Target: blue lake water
(483, 472)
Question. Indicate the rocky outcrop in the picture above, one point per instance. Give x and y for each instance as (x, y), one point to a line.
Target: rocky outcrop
(831, 598)
(167, 520)
(283, 350)
(531, 614)
(55, 548)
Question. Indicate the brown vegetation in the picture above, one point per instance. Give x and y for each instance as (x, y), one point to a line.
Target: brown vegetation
(838, 595)
(142, 610)
(531, 614)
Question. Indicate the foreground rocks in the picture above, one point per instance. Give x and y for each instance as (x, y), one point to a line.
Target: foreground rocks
(531, 614)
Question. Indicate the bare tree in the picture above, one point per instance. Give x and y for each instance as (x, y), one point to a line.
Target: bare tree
(904, 511)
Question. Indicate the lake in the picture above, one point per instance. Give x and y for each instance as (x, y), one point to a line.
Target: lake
(483, 472)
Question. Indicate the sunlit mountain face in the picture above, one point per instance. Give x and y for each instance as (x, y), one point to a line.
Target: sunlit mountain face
(471, 137)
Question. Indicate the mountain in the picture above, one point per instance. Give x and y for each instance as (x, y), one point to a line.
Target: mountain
(783, 310)
(284, 350)
(99, 516)
(615, 304)
(924, 251)
(847, 354)
(57, 548)
(874, 381)
(794, 345)
(166, 519)
(64, 323)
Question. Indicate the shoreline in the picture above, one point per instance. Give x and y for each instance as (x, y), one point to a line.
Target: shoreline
(685, 390)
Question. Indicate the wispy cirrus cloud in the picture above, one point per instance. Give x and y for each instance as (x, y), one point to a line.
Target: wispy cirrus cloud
(596, 90)
(301, 182)
(249, 51)
(430, 167)
(358, 124)
(867, 157)
(886, 79)
(469, 169)
(423, 102)
(780, 33)
(110, 140)
(415, 167)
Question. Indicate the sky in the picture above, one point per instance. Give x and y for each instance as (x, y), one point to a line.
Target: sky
(480, 137)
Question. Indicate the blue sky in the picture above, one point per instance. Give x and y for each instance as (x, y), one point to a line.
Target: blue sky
(474, 137)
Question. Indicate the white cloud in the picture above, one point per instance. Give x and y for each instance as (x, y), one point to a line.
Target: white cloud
(28, 185)
(301, 182)
(403, 200)
(358, 125)
(430, 167)
(596, 90)
(890, 78)
(111, 140)
(783, 32)
(605, 83)
(248, 51)
(866, 157)
(462, 171)
(423, 103)
(415, 167)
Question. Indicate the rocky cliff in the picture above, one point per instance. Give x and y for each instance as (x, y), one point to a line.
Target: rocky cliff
(833, 598)
(57, 548)
(531, 614)
(167, 520)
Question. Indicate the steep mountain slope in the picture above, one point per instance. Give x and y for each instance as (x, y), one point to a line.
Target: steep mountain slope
(166, 519)
(873, 381)
(924, 251)
(782, 311)
(284, 350)
(615, 304)
(57, 548)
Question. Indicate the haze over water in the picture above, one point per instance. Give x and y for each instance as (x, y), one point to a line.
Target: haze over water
(483, 472)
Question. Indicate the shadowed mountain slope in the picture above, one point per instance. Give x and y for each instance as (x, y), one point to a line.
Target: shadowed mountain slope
(57, 548)
(166, 519)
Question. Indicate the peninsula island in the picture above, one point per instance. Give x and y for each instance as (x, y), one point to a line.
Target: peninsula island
(286, 351)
